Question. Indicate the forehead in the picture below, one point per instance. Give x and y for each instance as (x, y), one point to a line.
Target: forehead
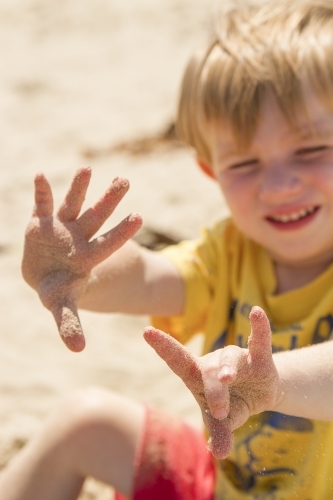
(315, 120)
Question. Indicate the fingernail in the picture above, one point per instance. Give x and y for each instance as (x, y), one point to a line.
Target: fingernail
(133, 217)
(225, 372)
(220, 414)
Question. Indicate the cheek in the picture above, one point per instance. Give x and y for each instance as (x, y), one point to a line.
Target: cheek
(322, 175)
(239, 191)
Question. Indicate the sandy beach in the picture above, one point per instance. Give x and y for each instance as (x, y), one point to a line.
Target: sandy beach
(92, 83)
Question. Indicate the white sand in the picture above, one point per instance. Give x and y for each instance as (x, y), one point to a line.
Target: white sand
(75, 75)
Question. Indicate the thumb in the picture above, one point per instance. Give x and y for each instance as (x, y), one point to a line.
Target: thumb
(69, 326)
(57, 292)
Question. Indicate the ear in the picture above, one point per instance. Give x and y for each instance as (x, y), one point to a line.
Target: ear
(206, 168)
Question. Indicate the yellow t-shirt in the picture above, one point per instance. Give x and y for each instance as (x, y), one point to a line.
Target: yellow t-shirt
(275, 456)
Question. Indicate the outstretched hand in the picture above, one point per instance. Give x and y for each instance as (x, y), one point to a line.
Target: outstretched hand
(58, 254)
(229, 384)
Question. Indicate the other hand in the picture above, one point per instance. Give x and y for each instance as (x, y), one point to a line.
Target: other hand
(59, 251)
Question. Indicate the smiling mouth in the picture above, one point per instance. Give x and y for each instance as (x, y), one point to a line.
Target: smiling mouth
(295, 216)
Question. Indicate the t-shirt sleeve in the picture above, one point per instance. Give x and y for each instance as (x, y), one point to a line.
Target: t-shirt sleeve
(197, 262)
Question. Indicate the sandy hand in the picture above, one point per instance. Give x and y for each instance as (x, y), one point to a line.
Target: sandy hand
(59, 253)
(229, 384)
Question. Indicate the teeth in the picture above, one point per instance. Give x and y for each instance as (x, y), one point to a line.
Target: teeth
(294, 216)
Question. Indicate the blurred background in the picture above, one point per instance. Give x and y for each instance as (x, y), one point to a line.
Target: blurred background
(92, 83)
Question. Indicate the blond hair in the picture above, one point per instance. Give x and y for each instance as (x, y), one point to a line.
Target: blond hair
(276, 45)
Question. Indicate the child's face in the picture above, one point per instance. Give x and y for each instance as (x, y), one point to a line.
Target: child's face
(280, 191)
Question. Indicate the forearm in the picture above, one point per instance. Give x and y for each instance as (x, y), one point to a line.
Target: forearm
(306, 377)
(134, 280)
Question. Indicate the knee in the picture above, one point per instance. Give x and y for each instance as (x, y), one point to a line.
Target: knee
(89, 399)
(90, 410)
(95, 422)
(87, 407)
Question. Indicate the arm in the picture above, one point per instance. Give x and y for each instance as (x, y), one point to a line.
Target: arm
(67, 266)
(134, 280)
(231, 384)
(306, 381)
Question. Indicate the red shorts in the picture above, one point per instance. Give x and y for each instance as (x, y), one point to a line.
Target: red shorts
(172, 462)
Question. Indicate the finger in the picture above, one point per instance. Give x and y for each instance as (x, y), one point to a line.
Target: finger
(260, 340)
(230, 361)
(239, 412)
(103, 246)
(93, 218)
(221, 439)
(177, 357)
(43, 197)
(69, 326)
(227, 373)
(217, 393)
(72, 204)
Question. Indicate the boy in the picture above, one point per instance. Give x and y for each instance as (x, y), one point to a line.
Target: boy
(257, 107)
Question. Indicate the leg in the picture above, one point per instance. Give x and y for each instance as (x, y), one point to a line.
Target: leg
(172, 461)
(94, 433)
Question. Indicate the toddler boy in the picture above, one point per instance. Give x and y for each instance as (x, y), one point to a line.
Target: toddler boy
(257, 107)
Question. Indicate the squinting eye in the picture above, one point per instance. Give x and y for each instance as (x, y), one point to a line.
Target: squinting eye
(313, 151)
(243, 164)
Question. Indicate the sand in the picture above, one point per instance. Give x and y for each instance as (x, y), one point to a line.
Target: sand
(77, 79)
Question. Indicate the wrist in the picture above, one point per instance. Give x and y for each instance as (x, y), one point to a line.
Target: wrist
(282, 389)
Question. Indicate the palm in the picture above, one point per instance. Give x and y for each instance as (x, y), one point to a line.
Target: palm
(60, 253)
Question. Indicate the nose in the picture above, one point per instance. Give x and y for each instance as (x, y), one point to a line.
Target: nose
(280, 183)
